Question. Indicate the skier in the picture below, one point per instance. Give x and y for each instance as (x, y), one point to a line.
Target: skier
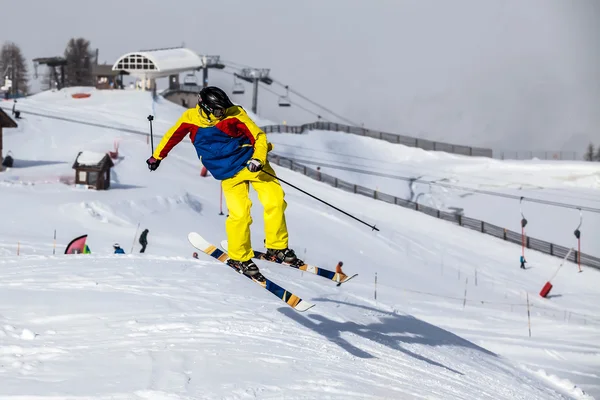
(118, 249)
(234, 150)
(523, 261)
(144, 240)
(195, 255)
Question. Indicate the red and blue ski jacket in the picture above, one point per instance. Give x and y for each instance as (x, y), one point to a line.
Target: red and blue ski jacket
(224, 145)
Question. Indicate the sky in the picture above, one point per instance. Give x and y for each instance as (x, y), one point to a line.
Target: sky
(506, 74)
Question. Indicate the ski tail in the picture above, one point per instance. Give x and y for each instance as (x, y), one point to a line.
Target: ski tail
(337, 276)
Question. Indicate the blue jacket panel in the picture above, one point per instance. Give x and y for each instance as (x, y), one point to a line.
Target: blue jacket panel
(223, 155)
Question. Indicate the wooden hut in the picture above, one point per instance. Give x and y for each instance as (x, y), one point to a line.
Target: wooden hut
(5, 122)
(93, 169)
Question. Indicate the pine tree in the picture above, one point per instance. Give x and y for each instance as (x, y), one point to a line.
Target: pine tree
(13, 66)
(589, 154)
(78, 71)
(598, 154)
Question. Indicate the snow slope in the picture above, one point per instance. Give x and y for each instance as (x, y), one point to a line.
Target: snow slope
(165, 326)
(387, 167)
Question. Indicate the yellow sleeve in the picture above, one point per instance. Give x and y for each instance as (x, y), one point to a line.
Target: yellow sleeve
(261, 145)
(174, 135)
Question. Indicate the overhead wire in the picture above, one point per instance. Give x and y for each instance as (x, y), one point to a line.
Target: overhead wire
(430, 172)
(442, 184)
(295, 92)
(457, 187)
(236, 65)
(265, 87)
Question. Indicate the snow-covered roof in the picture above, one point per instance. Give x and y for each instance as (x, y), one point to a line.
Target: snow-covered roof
(158, 63)
(93, 160)
(90, 158)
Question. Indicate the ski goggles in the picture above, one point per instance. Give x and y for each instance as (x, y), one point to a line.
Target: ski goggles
(217, 112)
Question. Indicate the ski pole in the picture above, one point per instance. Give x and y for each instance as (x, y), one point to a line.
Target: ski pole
(373, 227)
(136, 231)
(151, 118)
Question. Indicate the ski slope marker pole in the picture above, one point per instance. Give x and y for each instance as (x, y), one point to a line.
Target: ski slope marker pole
(523, 224)
(221, 202)
(375, 292)
(528, 315)
(54, 245)
(578, 236)
(373, 227)
(465, 298)
(136, 231)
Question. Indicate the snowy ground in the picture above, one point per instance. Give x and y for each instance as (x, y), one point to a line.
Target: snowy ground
(386, 167)
(164, 326)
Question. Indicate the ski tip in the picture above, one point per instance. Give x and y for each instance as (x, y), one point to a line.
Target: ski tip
(303, 306)
(197, 240)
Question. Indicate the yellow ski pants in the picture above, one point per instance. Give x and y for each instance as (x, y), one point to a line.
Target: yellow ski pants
(270, 194)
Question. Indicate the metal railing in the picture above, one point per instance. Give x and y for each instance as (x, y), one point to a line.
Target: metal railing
(388, 137)
(541, 154)
(471, 223)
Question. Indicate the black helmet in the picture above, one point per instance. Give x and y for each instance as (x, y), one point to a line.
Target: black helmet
(214, 100)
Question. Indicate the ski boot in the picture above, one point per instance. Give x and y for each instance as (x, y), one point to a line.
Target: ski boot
(246, 267)
(287, 256)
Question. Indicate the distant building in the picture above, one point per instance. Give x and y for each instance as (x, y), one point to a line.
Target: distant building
(93, 169)
(107, 78)
(5, 122)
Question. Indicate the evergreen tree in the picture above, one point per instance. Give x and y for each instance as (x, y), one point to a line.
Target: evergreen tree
(13, 66)
(78, 71)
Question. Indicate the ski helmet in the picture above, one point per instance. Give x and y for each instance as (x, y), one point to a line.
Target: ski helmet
(116, 245)
(214, 100)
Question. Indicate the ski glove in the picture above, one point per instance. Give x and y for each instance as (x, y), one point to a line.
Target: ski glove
(153, 163)
(254, 165)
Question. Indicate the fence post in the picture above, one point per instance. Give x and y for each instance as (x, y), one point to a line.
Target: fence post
(355, 191)
(527, 241)
(335, 181)
(375, 194)
(482, 227)
(438, 213)
(528, 315)
(551, 249)
(460, 220)
(465, 298)
(504, 234)
(304, 170)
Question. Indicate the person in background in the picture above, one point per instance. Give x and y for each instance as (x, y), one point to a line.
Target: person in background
(144, 240)
(118, 249)
(523, 261)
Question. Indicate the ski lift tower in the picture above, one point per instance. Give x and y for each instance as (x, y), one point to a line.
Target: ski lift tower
(53, 63)
(210, 62)
(255, 75)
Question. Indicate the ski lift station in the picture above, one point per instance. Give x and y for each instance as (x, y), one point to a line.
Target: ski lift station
(149, 65)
